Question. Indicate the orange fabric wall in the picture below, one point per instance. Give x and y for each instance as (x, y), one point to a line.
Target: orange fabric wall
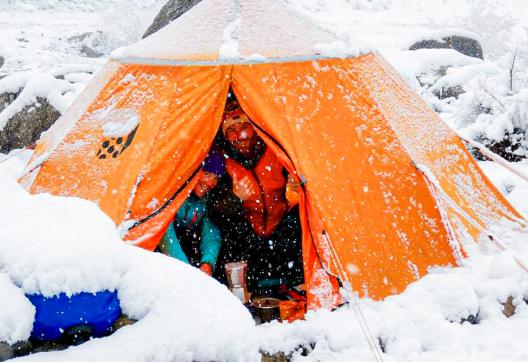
(368, 212)
(432, 143)
(179, 110)
(380, 220)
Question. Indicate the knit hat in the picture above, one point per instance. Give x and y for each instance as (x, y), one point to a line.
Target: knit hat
(214, 163)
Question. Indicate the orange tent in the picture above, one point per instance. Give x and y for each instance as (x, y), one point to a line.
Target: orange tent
(348, 127)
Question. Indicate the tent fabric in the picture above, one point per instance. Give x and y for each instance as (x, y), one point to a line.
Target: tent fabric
(371, 219)
(434, 145)
(231, 31)
(357, 176)
(169, 105)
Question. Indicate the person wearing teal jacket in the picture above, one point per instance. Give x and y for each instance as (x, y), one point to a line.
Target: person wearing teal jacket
(192, 237)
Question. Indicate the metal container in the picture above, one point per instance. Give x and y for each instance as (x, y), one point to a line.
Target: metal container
(241, 293)
(236, 274)
(267, 309)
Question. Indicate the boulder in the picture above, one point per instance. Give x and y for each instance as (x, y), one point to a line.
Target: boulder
(90, 44)
(25, 127)
(464, 45)
(512, 147)
(449, 92)
(172, 10)
(6, 352)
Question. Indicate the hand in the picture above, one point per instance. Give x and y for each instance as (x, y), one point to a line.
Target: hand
(206, 268)
(293, 188)
(243, 188)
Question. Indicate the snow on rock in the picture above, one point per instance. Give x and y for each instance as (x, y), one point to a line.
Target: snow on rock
(35, 85)
(60, 86)
(440, 34)
(50, 245)
(415, 63)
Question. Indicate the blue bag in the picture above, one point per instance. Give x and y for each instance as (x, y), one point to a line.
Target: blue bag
(55, 315)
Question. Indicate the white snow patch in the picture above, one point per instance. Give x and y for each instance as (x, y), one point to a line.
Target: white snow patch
(229, 49)
(16, 312)
(50, 245)
(120, 122)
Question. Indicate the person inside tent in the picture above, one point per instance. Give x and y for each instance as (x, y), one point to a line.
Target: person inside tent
(254, 207)
(192, 237)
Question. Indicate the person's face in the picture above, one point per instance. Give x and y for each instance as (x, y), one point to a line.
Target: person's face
(242, 136)
(206, 182)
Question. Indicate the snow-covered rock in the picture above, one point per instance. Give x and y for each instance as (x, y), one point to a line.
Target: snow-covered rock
(172, 10)
(462, 41)
(30, 102)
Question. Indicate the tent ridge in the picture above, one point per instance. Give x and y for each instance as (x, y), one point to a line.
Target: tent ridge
(232, 61)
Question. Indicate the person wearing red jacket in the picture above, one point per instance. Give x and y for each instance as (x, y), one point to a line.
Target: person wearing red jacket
(258, 222)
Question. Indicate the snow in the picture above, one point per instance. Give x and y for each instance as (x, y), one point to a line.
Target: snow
(50, 244)
(35, 85)
(441, 34)
(120, 122)
(39, 34)
(512, 186)
(60, 93)
(423, 323)
(16, 312)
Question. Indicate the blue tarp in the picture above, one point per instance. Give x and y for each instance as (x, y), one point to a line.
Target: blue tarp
(55, 315)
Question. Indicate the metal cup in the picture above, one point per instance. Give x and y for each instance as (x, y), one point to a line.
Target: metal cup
(236, 274)
(241, 293)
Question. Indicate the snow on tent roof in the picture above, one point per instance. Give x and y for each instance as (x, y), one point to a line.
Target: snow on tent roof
(233, 31)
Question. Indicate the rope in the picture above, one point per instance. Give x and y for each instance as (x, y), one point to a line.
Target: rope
(494, 157)
(490, 235)
(374, 346)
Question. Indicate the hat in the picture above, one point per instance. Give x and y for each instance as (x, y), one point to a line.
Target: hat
(214, 163)
(232, 116)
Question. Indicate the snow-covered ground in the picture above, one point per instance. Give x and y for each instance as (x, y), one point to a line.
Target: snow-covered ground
(177, 306)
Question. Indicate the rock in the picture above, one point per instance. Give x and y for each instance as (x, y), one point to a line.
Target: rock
(90, 44)
(2, 61)
(449, 92)
(508, 308)
(122, 321)
(90, 52)
(277, 357)
(464, 45)
(25, 127)
(6, 99)
(6, 352)
(172, 10)
(510, 148)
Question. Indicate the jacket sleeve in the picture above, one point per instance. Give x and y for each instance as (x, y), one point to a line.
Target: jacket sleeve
(210, 242)
(170, 245)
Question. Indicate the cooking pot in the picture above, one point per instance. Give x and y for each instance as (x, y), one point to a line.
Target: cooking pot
(267, 309)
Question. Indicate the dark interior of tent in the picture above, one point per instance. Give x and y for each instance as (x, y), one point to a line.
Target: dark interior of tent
(260, 253)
